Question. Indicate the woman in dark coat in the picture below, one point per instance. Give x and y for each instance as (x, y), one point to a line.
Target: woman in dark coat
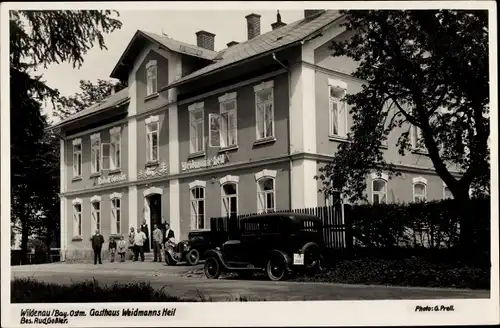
(145, 229)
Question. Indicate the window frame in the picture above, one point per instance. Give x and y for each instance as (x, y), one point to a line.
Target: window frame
(224, 100)
(151, 75)
(94, 226)
(77, 169)
(192, 109)
(115, 140)
(114, 209)
(227, 180)
(192, 199)
(77, 218)
(338, 85)
(149, 122)
(259, 179)
(416, 138)
(264, 86)
(95, 154)
(419, 181)
(379, 177)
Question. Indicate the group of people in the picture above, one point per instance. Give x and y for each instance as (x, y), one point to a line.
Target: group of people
(138, 243)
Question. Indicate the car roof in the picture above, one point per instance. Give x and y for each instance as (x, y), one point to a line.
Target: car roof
(290, 215)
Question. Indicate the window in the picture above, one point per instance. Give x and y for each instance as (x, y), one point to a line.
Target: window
(151, 77)
(196, 132)
(115, 148)
(333, 199)
(77, 217)
(446, 192)
(116, 213)
(419, 189)
(266, 194)
(264, 107)
(379, 188)
(229, 186)
(77, 157)
(95, 213)
(337, 108)
(223, 126)
(416, 138)
(197, 200)
(95, 153)
(152, 136)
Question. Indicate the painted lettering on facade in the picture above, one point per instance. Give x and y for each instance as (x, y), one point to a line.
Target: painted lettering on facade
(152, 172)
(111, 179)
(203, 163)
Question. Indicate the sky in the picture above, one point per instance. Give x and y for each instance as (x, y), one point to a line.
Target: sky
(179, 25)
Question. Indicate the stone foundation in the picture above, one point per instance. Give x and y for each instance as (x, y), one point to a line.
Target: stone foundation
(87, 255)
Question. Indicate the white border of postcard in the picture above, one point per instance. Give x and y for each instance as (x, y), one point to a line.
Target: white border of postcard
(306, 313)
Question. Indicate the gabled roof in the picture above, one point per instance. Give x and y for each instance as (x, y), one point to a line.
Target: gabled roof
(119, 98)
(138, 40)
(270, 41)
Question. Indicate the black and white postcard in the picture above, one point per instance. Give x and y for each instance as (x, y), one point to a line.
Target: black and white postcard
(249, 163)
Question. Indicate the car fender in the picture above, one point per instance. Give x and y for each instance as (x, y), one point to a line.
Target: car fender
(285, 256)
(217, 254)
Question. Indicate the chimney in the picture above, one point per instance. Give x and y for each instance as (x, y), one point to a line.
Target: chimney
(312, 12)
(232, 43)
(253, 25)
(278, 22)
(205, 40)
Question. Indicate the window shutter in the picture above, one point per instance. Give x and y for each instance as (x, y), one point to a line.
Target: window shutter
(342, 119)
(105, 154)
(260, 121)
(214, 130)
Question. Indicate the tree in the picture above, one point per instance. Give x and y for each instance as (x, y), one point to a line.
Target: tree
(90, 95)
(425, 70)
(38, 39)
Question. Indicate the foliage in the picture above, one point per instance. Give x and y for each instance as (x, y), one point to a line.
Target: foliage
(414, 271)
(425, 70)
(32, 291)
(39, 39)
(90, 95)
(433, 224)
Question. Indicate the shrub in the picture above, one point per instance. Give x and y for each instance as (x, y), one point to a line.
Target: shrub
(414, 271)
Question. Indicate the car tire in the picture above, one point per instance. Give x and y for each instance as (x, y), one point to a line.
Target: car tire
(212, 268)
(276, 268)
(169, 260)
(193, 257)
(312, 256)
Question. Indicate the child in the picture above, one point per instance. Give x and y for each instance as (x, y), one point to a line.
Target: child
(112, 249)
(122, 248)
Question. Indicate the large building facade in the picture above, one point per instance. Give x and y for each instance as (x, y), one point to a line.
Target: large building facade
(200, 133)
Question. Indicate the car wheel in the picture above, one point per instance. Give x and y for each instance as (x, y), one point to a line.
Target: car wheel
(169, 260)
(312, 256)
(276, 268)
(193, 257)
(212, 268)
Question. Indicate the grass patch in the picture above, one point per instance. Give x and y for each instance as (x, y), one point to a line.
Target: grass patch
(29, 290)
(415, 272)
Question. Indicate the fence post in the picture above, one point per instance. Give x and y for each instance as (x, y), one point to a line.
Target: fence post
(349, 240)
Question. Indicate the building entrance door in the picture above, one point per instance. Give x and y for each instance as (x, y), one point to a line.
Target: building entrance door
(155, 214)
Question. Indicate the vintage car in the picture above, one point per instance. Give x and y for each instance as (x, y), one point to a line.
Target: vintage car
(191, 250)
(278, 243)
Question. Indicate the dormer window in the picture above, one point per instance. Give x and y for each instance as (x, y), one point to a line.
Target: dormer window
(151, 78)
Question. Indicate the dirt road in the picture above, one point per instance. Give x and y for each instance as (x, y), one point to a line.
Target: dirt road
(179, 282)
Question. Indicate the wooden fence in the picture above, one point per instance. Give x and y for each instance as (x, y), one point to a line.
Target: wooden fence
(337, 235)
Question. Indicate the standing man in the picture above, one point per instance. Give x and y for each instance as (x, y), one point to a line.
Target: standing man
(139, 240)
(97, 241)
(169, 233)
(157, 241)
(144, 228)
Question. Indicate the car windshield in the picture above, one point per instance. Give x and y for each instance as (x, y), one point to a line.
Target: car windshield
(197, 237)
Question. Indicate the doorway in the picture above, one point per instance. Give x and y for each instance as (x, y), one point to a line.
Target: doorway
(155, 215)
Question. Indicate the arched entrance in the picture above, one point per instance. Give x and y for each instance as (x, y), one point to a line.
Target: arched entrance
(153, 210)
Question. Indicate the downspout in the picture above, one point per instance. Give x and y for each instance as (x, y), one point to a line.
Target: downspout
(290, 174)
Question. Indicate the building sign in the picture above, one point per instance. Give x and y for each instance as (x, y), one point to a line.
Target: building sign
(152, 172)
(203, 163)
(111, 179)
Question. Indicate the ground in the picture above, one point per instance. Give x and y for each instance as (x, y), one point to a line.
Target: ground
(188, 282)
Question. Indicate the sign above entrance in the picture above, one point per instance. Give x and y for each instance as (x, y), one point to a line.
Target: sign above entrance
(152, 172)
(111, 179)
(203, 163)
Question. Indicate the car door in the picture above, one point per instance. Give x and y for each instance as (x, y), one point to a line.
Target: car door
(251, 240)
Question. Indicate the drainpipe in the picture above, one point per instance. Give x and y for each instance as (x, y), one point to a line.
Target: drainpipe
(290, 174)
